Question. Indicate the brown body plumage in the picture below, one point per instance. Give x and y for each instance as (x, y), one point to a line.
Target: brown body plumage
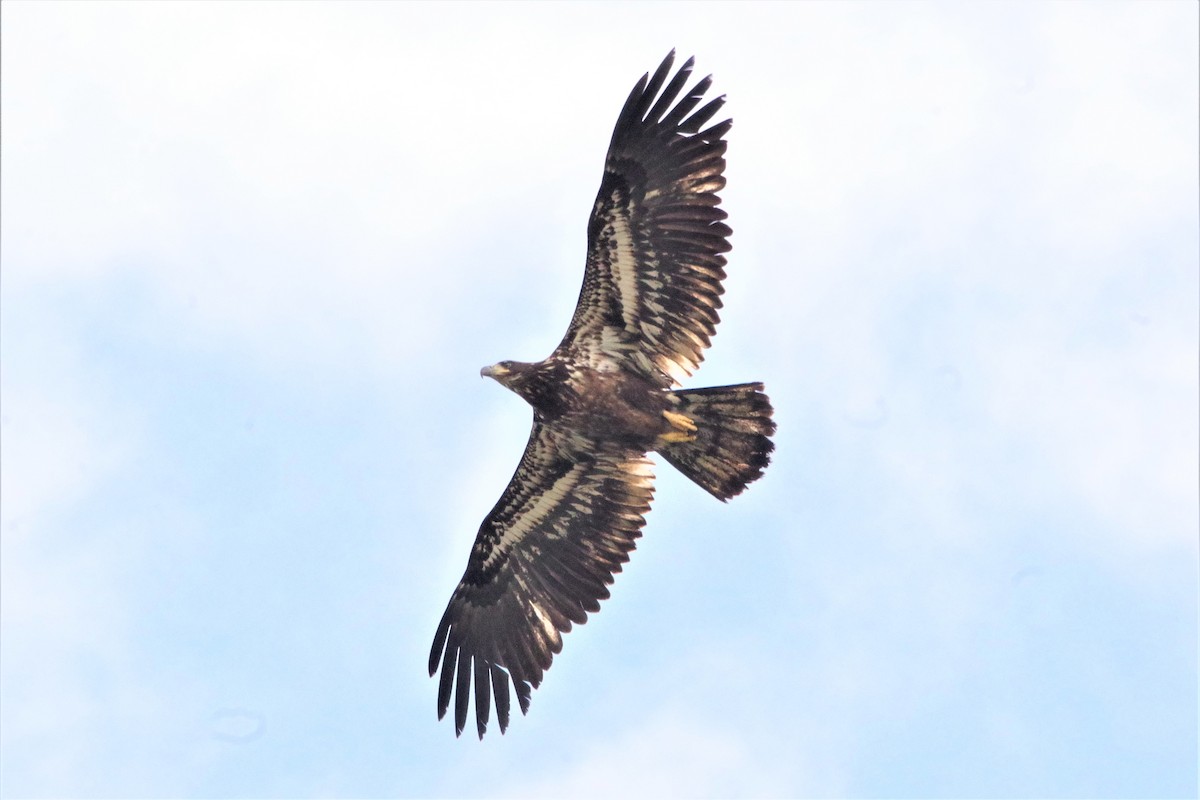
(726, 446)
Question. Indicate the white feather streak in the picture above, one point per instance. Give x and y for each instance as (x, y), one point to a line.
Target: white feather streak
(536, 509)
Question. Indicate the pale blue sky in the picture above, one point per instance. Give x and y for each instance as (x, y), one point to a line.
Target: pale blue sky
(254, 256)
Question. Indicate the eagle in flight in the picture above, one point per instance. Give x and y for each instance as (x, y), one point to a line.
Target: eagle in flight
(605, 398)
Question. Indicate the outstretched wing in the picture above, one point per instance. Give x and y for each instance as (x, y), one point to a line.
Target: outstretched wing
(542, 560)
(652, 283)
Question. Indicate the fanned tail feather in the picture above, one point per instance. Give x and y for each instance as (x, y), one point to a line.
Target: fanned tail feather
(732, 445)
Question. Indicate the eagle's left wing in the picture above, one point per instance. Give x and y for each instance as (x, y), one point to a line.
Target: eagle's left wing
(652, 282)
(543, 558)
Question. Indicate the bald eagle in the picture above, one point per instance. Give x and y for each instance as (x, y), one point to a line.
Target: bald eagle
(606, 397)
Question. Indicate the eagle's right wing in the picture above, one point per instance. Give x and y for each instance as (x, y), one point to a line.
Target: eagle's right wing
(543, 558)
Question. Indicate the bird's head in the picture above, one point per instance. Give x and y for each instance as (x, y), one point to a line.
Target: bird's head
(506, 373)
(534, 382)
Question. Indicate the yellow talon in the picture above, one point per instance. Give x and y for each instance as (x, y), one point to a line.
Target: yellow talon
(681, 421)
(673, 437)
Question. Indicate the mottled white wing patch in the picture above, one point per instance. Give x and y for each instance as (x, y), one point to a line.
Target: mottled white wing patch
(624, 266)
(531, 516)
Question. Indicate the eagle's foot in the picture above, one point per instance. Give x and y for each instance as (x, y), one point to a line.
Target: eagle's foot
(681, 422)
(674, 437)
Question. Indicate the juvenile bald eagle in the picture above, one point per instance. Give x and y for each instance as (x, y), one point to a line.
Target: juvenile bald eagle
(606, 397)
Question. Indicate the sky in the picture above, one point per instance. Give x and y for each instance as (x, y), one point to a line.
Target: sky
(254, 255)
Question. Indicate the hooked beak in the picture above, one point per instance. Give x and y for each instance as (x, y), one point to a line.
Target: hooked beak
(494, 371)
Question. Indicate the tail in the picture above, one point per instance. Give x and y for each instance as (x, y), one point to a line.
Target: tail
(732, 444)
